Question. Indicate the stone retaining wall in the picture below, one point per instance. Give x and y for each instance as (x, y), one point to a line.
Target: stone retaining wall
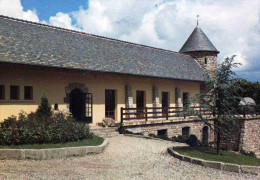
(54, 153)
(173, 129)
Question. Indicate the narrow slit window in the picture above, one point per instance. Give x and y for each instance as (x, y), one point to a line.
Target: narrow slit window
(206, 60)
(2, 92)
(28, 92)
(14, 92)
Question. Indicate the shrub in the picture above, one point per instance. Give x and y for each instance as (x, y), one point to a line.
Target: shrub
(42, 128)
(152, 135)
(193, 141)
(180, 138)
(247, 153)
(44, 109)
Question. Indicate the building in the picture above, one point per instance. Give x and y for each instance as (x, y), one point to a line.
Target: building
(93, 77)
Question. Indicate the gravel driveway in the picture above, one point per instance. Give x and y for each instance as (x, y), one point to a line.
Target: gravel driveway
(125, 158)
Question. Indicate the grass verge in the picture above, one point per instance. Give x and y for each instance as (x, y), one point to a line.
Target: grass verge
(87, 142)
(207, 153)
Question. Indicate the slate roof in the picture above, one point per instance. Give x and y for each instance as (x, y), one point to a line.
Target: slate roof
(30, 43)
(198, 41)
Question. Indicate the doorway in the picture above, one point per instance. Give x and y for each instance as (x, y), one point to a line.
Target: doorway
(165, 103)
(185, 100)
(78, 104)
(110, 103)
(205, 135)
(140, 103)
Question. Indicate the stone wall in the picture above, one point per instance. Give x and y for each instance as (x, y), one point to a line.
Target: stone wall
(246, 135)
(210, 57)
(173, 129)
(250, 135)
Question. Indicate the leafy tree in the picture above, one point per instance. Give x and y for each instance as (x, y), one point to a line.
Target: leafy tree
(250, 89)
(44, 109)
(220, 96)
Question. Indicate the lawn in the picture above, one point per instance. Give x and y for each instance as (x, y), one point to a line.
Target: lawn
(225, 156)
(87, 142)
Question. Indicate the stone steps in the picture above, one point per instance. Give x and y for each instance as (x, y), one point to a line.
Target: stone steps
(105, 132)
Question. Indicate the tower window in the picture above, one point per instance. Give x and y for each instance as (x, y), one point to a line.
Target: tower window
(206, 61)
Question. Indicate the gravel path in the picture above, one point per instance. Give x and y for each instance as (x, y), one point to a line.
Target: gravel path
(125, 158)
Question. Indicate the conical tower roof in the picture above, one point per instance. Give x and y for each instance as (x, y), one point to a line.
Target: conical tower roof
(198, 41)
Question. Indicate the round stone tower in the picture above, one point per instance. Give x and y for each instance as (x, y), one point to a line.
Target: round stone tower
(200, 48)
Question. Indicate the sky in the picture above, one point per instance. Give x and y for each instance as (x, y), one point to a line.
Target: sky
(233, 26)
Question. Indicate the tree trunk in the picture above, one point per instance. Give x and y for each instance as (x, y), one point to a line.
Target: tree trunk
(218, 138)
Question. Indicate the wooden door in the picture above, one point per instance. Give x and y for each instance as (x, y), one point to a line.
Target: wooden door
(165, 103)
(140, 104)
(110, 103)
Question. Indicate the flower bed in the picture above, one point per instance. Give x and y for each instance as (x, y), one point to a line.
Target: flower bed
(43, 126)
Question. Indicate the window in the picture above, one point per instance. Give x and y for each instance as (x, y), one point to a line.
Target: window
(206, 60)
(162, 133)
(186, 131)
(2, 92)
(14, 92)
(28, 92)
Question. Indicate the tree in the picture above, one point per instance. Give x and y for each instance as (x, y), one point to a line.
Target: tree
(220, 97)
(44, 109)
(250, 89)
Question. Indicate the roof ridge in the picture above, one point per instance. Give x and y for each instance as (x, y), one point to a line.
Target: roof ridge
(88, 34)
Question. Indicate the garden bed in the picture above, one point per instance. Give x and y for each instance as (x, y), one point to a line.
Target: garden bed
(207, 153)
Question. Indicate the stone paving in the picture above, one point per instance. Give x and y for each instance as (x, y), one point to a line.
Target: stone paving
(125, 158)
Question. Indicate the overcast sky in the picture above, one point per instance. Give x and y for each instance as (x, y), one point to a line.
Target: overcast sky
(233, 26)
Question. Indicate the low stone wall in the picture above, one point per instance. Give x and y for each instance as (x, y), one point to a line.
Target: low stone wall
(54, 153)
(173, 128)
(216, 164)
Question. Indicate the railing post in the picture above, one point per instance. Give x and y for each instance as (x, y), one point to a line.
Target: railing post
(184, 113)
(167, 113)
(146, 114)
(121, 115)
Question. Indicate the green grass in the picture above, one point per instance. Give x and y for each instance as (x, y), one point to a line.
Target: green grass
(87, 142)
(225, 156)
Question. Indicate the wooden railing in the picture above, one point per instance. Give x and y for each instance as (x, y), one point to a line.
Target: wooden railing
(153, 113)
(148, 113)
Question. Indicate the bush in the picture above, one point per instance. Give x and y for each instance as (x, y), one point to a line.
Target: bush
(193, 141)
(44, 109)
(180, 138)
(38, 127)
(247, 153)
